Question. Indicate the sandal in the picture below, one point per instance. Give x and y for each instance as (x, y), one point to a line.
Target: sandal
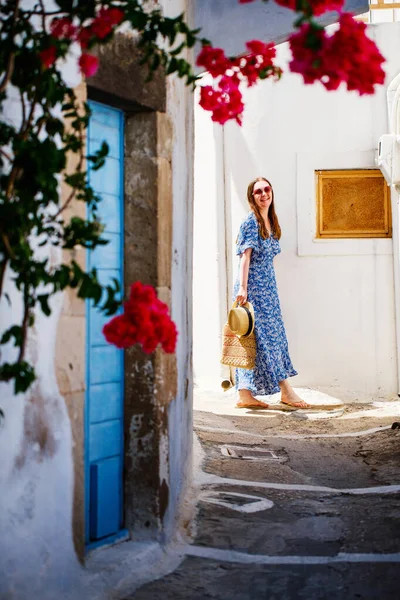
(299, 404)
(253, 406)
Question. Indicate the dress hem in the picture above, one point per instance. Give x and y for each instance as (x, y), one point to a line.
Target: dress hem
(270, 391)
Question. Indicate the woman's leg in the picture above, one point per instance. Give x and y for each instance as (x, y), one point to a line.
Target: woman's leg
(289, 396)
(247, 400)
(246, 388)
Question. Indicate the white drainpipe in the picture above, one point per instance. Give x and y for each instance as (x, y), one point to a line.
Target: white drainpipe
(393, 102)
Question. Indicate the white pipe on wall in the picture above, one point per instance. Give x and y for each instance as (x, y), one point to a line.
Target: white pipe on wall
(393, 102)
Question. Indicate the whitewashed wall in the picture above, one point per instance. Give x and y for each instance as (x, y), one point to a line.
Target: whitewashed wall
(179, 443)
(36, 469)
(337, 296)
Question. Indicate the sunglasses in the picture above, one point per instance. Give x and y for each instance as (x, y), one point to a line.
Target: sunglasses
(258, 192)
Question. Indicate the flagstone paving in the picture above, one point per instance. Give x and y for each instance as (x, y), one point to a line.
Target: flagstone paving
(314, 515)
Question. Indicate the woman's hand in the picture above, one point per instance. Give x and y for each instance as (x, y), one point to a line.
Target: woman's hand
(241, 298)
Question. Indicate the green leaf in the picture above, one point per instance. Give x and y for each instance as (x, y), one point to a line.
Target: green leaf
(43, 300)
(13, 332)
(22, 373)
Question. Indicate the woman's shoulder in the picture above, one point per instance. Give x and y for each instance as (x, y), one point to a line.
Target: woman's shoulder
(250, 220)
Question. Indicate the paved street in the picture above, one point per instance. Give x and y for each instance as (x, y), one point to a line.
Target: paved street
(300, 504)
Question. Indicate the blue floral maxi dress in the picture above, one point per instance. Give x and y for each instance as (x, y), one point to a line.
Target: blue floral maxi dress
(273, 363)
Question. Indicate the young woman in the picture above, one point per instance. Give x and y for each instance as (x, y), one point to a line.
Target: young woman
(257, 245)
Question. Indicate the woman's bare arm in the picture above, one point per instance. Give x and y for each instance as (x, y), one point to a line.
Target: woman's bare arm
(241, 297)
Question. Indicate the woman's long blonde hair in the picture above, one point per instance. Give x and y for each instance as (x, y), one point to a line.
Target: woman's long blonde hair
(276, 228)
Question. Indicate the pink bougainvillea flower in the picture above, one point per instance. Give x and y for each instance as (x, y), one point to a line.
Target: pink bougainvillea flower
(362, 68)
(308, 46)
(88, 64)
(63, 28)
(48, 56)
(347, 56)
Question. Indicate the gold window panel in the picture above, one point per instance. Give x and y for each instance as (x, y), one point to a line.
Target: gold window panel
(381, 4)
(353, 203)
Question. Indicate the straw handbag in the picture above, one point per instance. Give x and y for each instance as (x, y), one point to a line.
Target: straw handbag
(238, 349)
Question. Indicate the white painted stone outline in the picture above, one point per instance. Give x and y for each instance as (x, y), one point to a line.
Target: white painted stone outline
(211, 479)
(304, 436)
(259, 504)
(307, 243)
(233, 556)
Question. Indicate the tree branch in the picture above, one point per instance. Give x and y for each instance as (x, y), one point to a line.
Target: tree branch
(11, 58)
(24, 325)
(3, 267)
(77, 170)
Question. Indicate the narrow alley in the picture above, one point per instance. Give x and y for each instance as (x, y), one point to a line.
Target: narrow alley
(291, 504)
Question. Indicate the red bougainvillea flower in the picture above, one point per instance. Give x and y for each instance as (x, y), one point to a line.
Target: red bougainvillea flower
(209, 98)
(259, 62)
(88, 64)
(63, 29)
(101, 28)
(230, 107)
(313, 7)
(348, 56)
(112, 15)
(84, 36)
(48, 56)
(213, 60)
(362, 68)
(146, 321)
(120, 331)
(224, 98)
(308, 46)
(105, 21)
(225, 103)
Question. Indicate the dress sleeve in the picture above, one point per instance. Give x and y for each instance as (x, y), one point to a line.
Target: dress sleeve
(276, 247)
(248, 236)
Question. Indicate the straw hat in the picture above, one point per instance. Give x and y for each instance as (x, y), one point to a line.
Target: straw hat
(241, 319)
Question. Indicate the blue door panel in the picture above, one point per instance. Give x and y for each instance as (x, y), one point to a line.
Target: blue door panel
(105, 411)
(105, 364)
(97, 322)
(107, 180)
(106, 276)
(105, 498)
(105, 440)
(108, 256)
(104, 115)
(110, 212)
(111, 135)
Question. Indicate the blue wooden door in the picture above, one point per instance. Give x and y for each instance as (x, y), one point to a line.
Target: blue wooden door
(104, 370)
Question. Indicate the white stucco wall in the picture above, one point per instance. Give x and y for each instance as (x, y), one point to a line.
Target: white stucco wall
(36, 468)
(181, 113)
(36, 546)
(337, 296)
